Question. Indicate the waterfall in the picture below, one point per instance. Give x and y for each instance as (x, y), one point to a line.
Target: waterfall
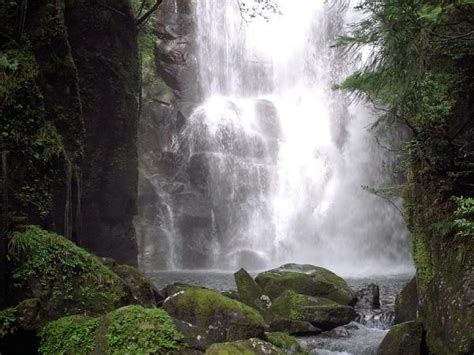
(272, 159)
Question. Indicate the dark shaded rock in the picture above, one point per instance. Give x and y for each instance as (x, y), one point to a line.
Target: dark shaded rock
(293, 327)
(267, 118)
(194, 336)
(41, 114)
(285, 342)
(141, 290)
(250, 292)
(110, 111)
(225, 319)
(198, 171)
(249, 347)
(368, 297)
(403, 339)
(234, 294)
(406, 303)
(320, 312)
(307, 280)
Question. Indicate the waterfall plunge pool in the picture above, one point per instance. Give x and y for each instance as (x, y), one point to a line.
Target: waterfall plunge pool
(361, 337)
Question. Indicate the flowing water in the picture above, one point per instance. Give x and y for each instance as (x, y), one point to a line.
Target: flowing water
(361, 337)
(279, 156)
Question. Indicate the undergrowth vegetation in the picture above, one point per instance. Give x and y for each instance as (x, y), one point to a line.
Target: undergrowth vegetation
(419, 78)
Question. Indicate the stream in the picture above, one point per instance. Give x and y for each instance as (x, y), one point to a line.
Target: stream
(361, 337)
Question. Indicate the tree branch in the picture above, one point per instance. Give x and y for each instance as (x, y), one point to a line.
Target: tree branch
(144, 18)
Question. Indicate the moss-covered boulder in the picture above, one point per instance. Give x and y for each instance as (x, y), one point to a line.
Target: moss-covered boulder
(293, 327)
(403, 339)
(225, 319)
(285, 342)
(321, 312)
(63, 277)
(127, 330)
(307, 280)
(250, 292)
(18, 327)
(176, 287)
(406, 303)
(141, 290)
(245, 347)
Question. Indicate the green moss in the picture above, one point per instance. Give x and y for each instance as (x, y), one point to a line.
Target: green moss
(291, 304)
(283, 340)
(310, 280)
(41, 122)
(206, 302)
(288, 305)
(127, 330)
(138, 330)
(405, 338)
(65, 277)
(244, 347)
(69, 335)
(275, 284)
(8, 319)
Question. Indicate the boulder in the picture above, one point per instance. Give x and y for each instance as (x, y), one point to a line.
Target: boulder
(141, 290)
(267, 119)
(250, 292)
(248, 347)
(176, 287)
(224, 318)
(196, 338)
(320, 312)
(368, 297)
(293, 327)
(307, 280)
(284, 341)
(18, 327)
(234, 294)
(63, 277)
(127, 330)
(406, 303)
(403, 339)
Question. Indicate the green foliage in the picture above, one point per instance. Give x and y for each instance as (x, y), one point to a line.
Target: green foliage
(464, 222)
(72, 279)
(69, 335)
(420, 77)
(41, 126)
(127, 330)
(8, 318)
(138, 330)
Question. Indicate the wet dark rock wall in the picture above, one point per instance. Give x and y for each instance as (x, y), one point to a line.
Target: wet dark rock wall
(104, 48)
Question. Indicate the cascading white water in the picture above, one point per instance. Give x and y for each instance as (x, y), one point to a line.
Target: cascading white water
(284, 156)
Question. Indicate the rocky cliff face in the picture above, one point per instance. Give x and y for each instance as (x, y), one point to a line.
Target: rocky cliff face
(71, 120)
(168, 100)
(104, 47)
